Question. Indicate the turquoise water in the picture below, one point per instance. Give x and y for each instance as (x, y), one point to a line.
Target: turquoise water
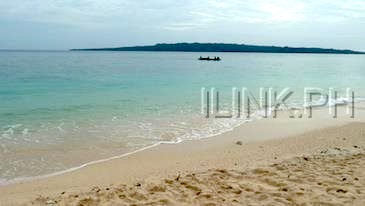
(59, 110)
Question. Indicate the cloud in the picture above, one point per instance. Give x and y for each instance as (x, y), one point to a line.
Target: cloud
(180, 15)
(267, 12)
(95, 23)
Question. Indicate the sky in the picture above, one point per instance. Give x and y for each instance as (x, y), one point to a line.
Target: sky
(67, 24)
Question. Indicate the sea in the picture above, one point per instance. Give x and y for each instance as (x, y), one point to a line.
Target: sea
(62, 110)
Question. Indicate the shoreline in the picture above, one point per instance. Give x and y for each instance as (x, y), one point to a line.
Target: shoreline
(39, 177)
(171, 159)
(18, 180)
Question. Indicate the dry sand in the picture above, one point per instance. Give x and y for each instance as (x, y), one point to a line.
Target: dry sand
(268, 162)
(333, 179)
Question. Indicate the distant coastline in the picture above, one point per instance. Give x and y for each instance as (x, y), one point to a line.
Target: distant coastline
(220, 47)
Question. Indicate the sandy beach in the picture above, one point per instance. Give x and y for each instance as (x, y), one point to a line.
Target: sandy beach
(270, 161)
(108, 103)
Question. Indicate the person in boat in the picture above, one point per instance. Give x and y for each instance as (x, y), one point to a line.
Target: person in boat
(215, 58)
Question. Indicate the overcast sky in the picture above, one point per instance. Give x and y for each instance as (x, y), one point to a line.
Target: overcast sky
(65, 24)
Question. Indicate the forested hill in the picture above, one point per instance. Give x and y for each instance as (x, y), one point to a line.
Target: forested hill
(218, 47)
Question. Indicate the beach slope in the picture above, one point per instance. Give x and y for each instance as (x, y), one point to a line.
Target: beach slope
(270, 161)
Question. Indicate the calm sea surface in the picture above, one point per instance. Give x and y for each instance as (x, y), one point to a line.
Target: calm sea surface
(59, 110)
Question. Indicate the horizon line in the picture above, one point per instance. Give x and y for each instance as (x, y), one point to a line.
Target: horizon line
(145, 45)
(242, 44)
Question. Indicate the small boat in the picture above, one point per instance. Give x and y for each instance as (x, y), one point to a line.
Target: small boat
(209, 59)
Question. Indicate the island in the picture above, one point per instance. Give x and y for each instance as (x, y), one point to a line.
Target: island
(221, 47)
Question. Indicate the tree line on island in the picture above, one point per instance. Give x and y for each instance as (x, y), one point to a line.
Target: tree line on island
(220, 47)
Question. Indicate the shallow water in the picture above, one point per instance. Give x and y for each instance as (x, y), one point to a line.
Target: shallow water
(62, 109)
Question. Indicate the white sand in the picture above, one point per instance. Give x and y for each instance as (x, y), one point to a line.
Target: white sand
(224, 172)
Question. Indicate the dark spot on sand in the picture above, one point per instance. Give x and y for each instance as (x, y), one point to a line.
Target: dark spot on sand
(51, 202)
(138, 184)
(198, 193)
(356, 178)
(107, 188)
(305, 158)
(222, 170)
(341, 190)
(178, 178)
(343, 179)
(356, 146)
(239, 143)
(62, 193)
